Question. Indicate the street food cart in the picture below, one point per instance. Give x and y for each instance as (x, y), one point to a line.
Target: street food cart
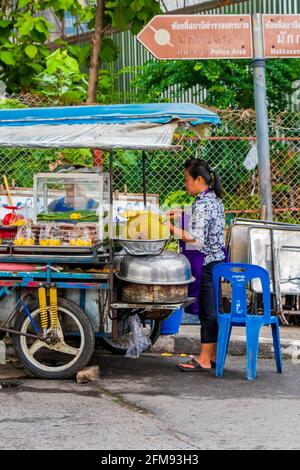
(63, 281)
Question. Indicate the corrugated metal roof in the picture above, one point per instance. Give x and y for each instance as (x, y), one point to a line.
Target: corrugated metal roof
(170, 5)
(231, 6)
(193, 5)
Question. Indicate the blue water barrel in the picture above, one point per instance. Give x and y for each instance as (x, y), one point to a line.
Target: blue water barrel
(171, 325)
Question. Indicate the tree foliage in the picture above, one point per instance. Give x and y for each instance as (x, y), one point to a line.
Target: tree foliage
(24, 34)
(62, 78)
(229, 83)
(122, 14)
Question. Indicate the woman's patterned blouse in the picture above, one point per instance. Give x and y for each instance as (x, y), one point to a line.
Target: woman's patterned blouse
(207, 226)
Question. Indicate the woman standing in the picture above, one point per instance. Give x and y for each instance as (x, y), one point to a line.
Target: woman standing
(203, 243)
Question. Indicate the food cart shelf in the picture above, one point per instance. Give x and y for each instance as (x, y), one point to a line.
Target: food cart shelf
(144, 306)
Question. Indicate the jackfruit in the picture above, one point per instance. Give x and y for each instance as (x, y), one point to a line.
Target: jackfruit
(145, 225)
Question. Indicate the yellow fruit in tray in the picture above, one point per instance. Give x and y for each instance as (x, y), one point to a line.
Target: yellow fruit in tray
(80, 242)
(54, 242)
(28, 242)
(19, 241)
(50, 242)
(85, 243)
(75, 216)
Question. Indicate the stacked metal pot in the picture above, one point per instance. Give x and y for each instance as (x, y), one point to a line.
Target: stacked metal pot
(160, 278)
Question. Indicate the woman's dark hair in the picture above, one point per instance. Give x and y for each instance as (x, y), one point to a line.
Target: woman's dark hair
(197, 167)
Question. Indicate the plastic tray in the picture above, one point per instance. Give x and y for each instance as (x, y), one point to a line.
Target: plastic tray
(60, 250)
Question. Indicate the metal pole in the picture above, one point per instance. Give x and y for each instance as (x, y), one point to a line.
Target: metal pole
(144, 160)
(262, 122)
(111, 251)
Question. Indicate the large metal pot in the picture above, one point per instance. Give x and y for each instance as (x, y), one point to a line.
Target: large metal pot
(169, 268)
(155, 279)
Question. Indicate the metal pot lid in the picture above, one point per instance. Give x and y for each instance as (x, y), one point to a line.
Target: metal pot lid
(154, 283)
(169, 268)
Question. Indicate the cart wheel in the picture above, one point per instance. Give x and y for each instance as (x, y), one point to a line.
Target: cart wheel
(63, 358)
(120, 345)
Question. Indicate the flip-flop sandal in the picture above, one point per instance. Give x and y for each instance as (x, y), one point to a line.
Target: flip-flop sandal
(196, 366)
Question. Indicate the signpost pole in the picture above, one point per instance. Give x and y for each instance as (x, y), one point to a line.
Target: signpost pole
(262, 122)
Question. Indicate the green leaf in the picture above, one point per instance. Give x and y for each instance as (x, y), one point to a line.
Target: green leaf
(64, 89)
(37, 67)
(64, 4)
(23, 3)
(56, 55)
(38, 37)
(105, 82)
(27, 26)
(7, 58)
(119, 18)
(53, 66)
(72, 64)
(111, 5)
(5, 34)
(137, 5)
(136, 26)
(41, 27)
(7, 103)
(109, 51)
(4, 24)
(44, 51)
(31, 51)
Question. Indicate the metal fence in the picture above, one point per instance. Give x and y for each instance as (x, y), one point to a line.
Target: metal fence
(230, 149)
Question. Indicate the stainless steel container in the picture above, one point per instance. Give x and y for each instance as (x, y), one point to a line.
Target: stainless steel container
(169, 268)
(143, 247)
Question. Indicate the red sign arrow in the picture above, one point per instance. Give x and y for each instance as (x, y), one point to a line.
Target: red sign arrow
(198, 37)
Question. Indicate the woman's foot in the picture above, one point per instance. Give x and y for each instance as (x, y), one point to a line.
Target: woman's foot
(204, 360)
(194, 365)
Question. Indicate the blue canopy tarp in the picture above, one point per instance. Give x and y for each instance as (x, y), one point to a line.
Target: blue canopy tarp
(113, 126)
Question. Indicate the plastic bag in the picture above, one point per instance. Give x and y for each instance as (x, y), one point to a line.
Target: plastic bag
(80, 237)
(50, 236)
(24, 236)
(138, 340)
(251, 161)
(27, 211)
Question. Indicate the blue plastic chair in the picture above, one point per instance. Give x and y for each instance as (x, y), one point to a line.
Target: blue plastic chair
(239, 275)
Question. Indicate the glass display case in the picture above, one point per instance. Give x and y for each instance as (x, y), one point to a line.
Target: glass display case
(72, 198)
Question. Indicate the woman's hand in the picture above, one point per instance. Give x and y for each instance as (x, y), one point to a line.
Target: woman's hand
(175, 214)
(167, 223)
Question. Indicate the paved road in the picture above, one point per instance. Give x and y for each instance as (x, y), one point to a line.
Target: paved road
(149, 404)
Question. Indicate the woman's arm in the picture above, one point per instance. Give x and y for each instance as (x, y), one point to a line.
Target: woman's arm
(195, 232)
(181, 234)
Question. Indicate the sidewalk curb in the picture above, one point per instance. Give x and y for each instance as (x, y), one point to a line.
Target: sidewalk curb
(180, 344)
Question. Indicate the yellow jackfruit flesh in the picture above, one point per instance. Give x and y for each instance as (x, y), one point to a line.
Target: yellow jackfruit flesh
(145, 225)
